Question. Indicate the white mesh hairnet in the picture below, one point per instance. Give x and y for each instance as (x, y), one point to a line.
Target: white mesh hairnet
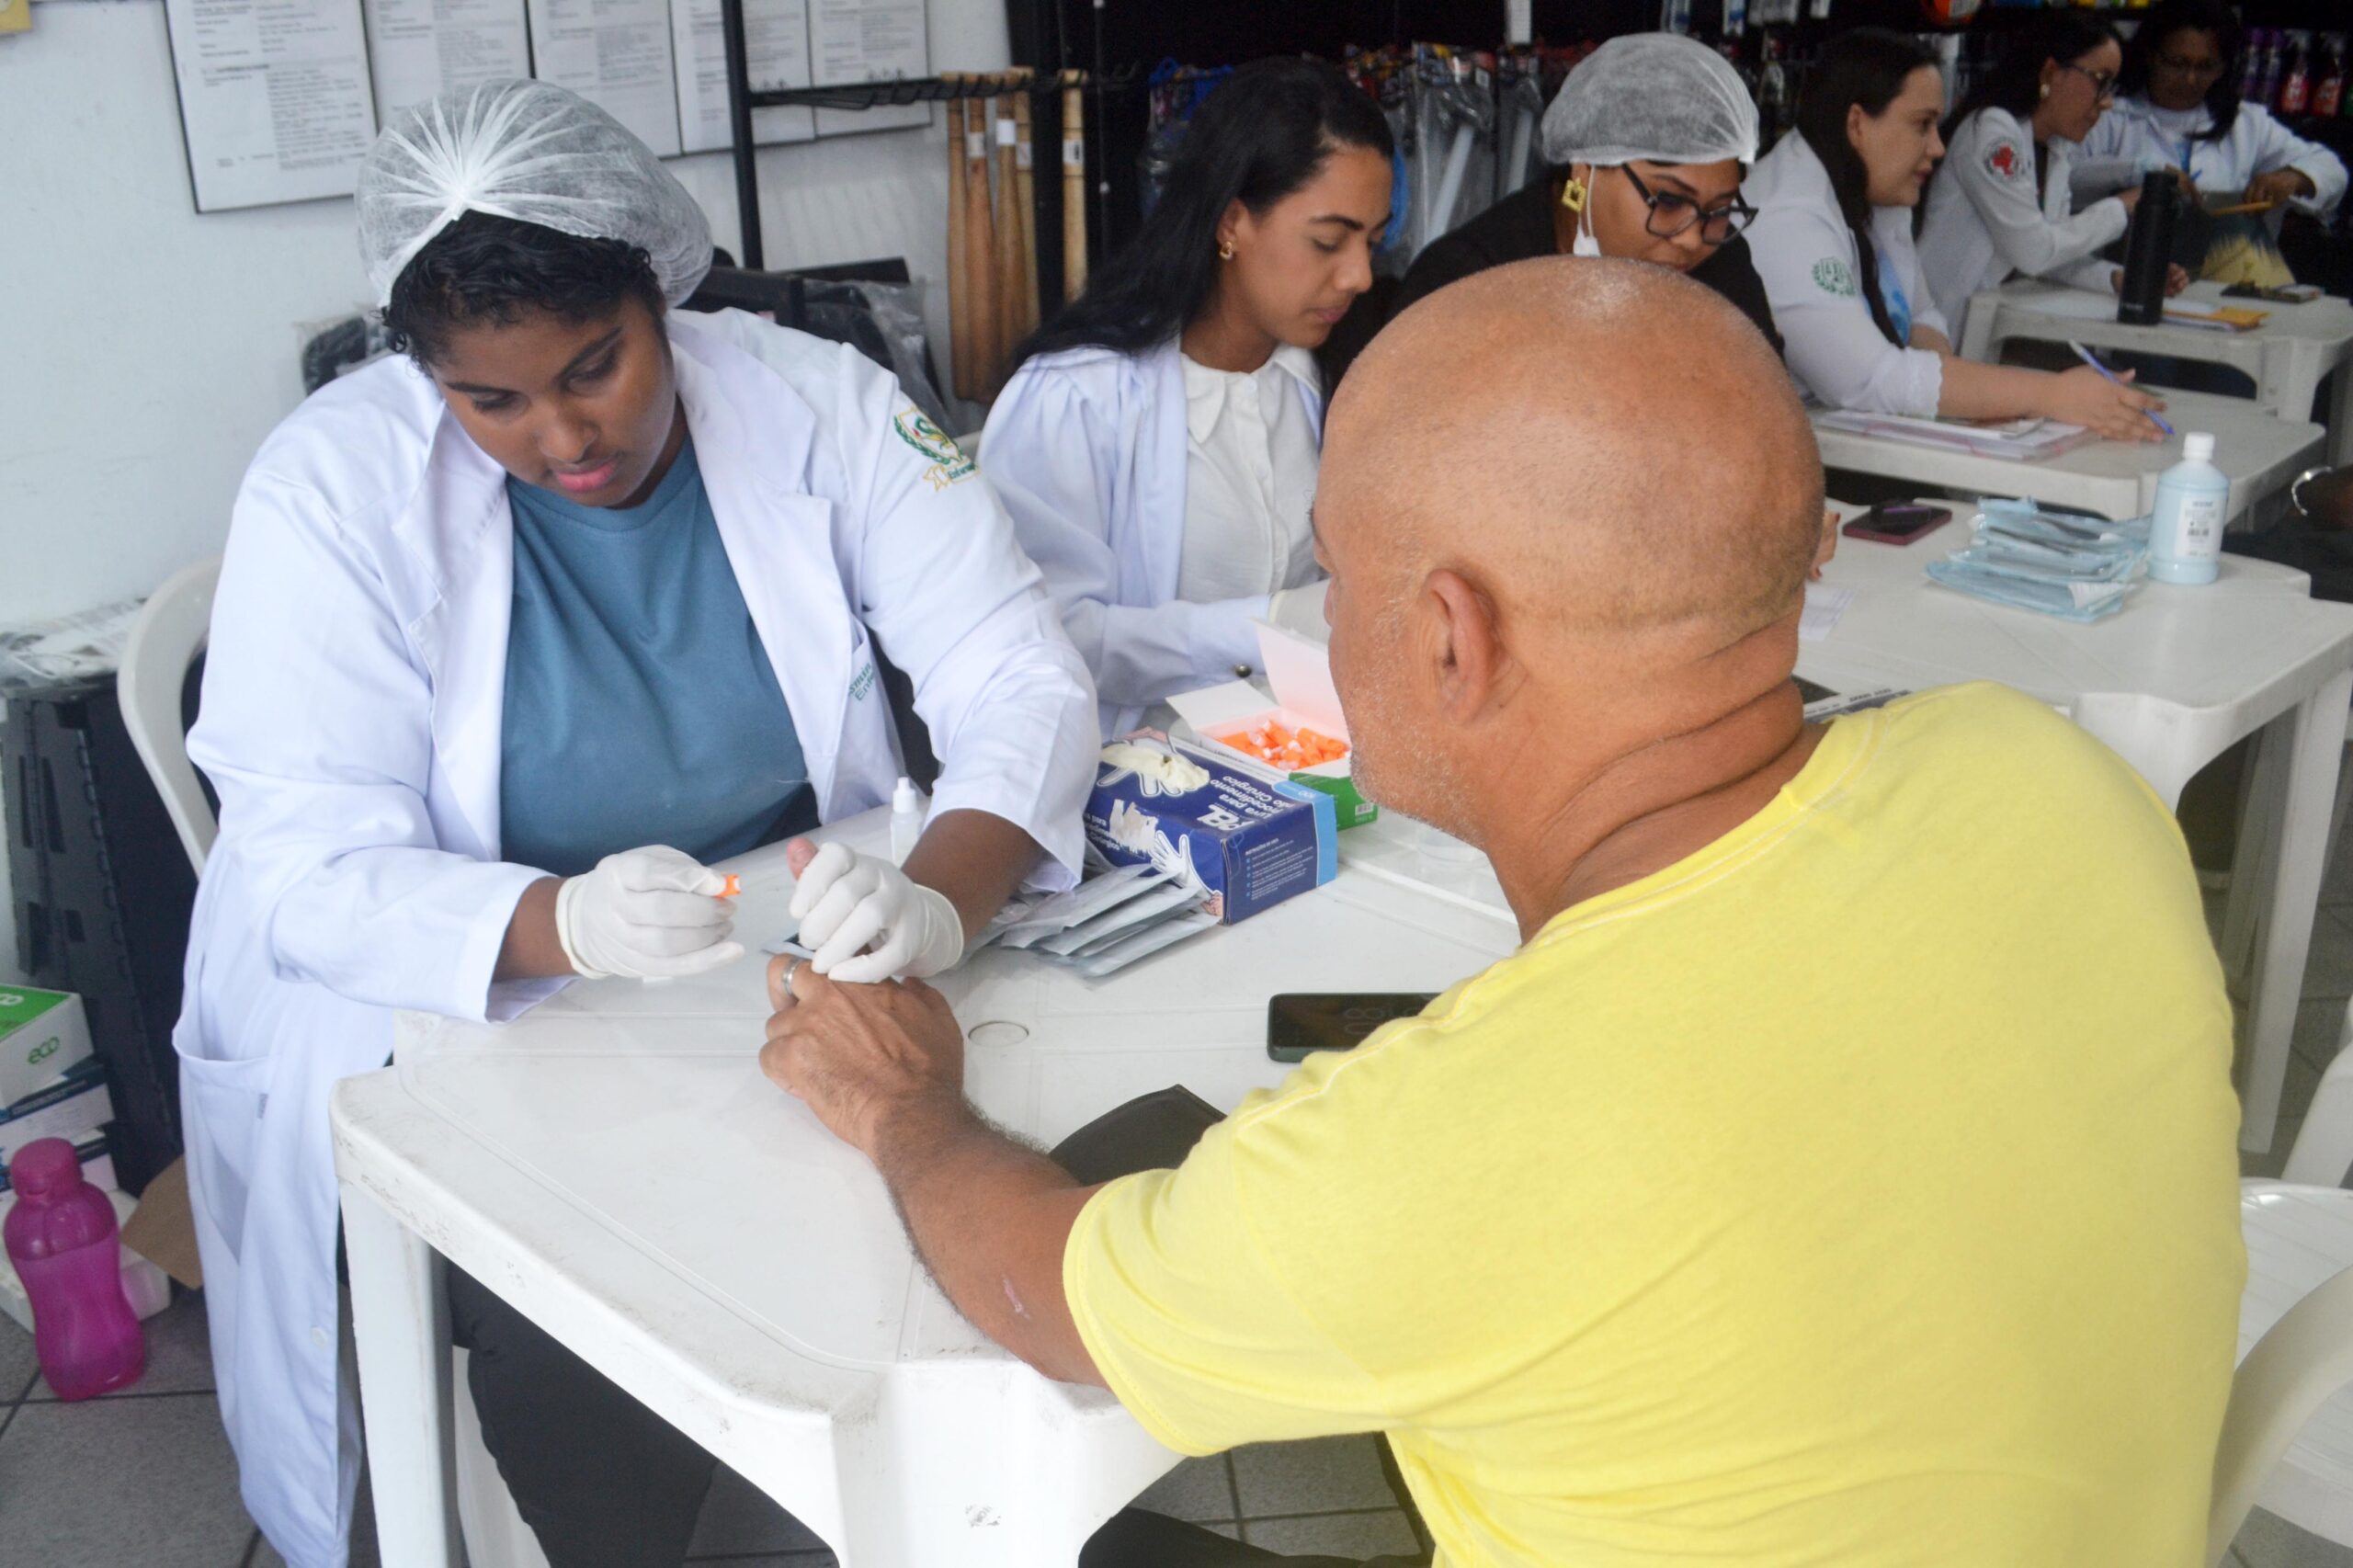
(1661, 98)
(532, 152)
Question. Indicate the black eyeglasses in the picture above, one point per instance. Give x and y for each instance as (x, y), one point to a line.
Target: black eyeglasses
(2103, 81)
(1672, 214)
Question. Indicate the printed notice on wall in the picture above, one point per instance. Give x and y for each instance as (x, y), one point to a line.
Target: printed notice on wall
(615, 53)
(274, 98)
(868, 40)
(421, 48)
(777, 47)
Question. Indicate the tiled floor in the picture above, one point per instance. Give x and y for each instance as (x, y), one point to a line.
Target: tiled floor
(144, 1479)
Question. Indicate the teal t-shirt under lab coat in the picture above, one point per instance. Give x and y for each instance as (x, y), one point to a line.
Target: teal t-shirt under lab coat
(640, 707)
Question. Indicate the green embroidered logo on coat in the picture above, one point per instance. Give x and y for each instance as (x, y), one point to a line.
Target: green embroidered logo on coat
(1835, 276)
(949, 462)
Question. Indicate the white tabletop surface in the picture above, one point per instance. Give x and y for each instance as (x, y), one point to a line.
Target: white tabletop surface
(2258, 452)
(2170, 680)
(2031, 307)
(644, 1108)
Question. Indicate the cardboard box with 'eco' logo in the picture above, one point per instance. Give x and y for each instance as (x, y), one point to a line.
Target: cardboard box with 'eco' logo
(42, 1036)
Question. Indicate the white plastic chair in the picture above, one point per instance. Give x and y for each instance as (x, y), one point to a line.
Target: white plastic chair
(2288, 1438)
(165, 640)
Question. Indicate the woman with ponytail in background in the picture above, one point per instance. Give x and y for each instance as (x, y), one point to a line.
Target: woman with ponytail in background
(1833, 241)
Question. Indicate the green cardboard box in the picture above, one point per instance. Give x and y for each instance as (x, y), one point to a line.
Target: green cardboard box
(43, 1036)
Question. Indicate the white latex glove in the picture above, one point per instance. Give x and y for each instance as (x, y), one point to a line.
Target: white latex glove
(1301, 609)
(847, 902)
(648, 913)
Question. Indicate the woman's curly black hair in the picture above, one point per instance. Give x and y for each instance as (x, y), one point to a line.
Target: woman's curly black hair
(488, 269)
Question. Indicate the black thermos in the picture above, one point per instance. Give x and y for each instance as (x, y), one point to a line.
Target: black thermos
(2148, 251)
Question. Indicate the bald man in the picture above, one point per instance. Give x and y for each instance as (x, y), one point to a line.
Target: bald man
(1841, 1171)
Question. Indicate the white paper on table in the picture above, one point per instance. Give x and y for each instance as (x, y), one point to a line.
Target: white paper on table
(868, 40)
(274, 98)
(421, 48)
(2075, 305)
(1823, 606)
(615, 53)
(776, 39)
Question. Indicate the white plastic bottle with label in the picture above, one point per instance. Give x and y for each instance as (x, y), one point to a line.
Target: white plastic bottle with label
(908, 809)
(2186, 526)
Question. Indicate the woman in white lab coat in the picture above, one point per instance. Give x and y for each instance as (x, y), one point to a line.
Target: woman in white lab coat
(2001, 204)
(1158, 446)
(1833, 241)
(512, 634)
(2182, 110)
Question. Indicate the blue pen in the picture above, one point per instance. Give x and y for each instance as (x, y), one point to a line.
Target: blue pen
(2085, 355)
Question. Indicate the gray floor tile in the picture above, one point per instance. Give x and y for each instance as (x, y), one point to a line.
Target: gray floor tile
(1198, 1490)
(1309, 1478)
(739, 1519)
(2328, 972)
(364, 1551)
(180, 1353)
(773, 1560)
(2320, 1025)
(2337, 886)
(2269, 1542)
(113, 1481)
(2271, 1162)
(1339, 1535)
(18, 1365)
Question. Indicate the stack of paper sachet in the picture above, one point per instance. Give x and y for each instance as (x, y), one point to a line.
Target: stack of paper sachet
(1105, 923)
(2075, 568)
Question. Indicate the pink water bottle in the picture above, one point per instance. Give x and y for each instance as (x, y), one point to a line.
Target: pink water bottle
(60, 1236)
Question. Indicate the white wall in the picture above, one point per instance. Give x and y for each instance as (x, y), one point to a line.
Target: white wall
(147, 350)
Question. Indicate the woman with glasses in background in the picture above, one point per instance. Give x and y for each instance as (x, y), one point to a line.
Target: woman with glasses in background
(1646, 141)
(2181, 110)
(2001, 204)
(1833, 241)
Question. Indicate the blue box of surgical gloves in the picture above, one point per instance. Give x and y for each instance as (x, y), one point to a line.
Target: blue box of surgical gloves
(1250, 842)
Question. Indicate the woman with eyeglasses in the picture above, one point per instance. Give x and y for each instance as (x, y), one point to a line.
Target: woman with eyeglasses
(1833, 241)
(1158, 446)
(2181, 110)
(1647, 141)
(2001, 204)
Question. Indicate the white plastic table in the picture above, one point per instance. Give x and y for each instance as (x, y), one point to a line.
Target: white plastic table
(2286, 357)
(2116, 479)
(2170, 683)
(615, 1166)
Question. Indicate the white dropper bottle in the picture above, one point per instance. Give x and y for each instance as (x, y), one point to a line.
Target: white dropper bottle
(908, 809)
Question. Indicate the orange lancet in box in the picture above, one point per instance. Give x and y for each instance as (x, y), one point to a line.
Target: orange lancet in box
(1301, 737)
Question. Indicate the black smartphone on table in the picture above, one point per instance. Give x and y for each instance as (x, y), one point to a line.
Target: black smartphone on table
(1300, 1021)
(1897, 522)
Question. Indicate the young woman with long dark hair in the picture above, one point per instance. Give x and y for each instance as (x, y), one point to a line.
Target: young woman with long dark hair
(2001, 204)
(1833, 241)
(2181, 109)
(1158, 446)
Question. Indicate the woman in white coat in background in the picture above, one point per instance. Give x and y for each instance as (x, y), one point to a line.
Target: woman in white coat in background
(1158, 446)
(1833, 241)
(513, 633)
(2181, 110)
(2002, 203)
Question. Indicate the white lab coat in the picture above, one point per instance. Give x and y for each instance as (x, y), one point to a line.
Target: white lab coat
(2128, 142)
(1088, 447)
(1808, 259)
(351, 723)
(1986, 220)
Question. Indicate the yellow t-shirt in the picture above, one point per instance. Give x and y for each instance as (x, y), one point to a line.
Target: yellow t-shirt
(1859, 1190)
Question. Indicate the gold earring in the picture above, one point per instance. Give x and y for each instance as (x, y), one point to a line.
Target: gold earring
(1225, 250)
(1572, 194)
(2046, 90)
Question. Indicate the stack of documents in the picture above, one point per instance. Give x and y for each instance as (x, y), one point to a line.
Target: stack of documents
(2075, 568)
(2025, 439)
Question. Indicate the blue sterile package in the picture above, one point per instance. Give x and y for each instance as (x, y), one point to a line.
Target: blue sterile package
(1248, 842)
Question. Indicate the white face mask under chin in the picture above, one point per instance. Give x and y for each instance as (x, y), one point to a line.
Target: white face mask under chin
(1584, 243)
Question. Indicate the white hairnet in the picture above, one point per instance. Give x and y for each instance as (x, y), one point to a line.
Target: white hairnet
(1661, 98)
(532, 152)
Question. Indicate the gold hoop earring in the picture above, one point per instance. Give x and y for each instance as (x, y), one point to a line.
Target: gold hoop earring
(1225, 250)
